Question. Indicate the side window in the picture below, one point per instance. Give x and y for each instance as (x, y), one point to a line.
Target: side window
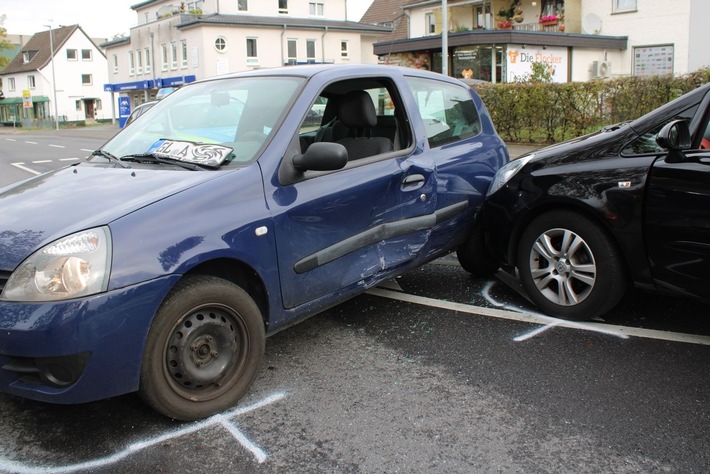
(314, 118)
(705, 142)
(366, 120)
(447, 110)
(646, 143)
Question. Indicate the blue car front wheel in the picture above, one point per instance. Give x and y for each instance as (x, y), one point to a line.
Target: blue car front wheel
(203, 350)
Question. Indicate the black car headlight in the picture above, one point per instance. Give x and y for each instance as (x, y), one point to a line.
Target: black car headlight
(507, 172)
(73, 266)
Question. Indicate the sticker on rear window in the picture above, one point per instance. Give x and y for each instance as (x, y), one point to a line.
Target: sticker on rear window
(205, 154)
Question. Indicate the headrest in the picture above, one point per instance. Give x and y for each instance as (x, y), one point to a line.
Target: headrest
(356, 110)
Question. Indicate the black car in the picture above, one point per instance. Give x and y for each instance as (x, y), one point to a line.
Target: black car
(629, 204)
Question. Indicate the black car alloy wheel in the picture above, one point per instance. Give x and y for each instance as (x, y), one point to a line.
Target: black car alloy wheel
(569, 267)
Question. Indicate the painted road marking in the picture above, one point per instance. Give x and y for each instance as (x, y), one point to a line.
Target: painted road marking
(22, 167)
(57, 146)
(84, 149)
(528, 317)
(41, 161)
(69, 159)
(224, 420)
(11, 139)
(31, 143)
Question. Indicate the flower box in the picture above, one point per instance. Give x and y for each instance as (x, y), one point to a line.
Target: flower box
(548, 20)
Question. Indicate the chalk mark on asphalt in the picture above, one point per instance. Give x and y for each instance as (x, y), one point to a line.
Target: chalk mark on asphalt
(623, 332)
(223, 419)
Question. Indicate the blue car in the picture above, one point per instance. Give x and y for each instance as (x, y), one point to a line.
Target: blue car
(161, 263)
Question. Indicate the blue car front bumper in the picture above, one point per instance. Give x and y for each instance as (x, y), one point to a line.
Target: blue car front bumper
(79, 350)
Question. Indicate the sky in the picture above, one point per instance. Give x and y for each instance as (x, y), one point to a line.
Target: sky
(98, 18)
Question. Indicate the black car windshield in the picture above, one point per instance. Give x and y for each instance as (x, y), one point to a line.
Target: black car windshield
(239, 113)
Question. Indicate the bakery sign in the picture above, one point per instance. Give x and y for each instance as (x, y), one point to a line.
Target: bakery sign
(519, 60)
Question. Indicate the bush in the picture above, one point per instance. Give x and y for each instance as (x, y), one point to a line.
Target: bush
(540, 112)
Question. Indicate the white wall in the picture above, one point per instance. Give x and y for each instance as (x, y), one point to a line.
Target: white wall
(699, 35)
(69, 79)
(653, 23)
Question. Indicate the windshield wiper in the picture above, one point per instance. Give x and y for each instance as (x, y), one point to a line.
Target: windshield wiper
(111, 158)
(151, 158)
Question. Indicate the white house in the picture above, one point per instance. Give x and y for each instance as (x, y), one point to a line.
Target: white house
(80, 70)
(178, 42)
(498, 40)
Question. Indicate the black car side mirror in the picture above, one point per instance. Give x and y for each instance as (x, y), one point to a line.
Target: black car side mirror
(322, 156)
(675, 136)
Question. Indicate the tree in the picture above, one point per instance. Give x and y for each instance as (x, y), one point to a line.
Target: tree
(540, 72)
(4, 43)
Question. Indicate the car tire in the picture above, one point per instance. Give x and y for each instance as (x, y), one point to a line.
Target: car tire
(474, 257)
(569, 266)
(203, 350)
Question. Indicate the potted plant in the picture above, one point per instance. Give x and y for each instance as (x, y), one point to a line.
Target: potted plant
(548, 20)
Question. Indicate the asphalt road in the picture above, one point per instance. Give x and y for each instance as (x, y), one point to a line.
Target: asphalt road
(434, 372)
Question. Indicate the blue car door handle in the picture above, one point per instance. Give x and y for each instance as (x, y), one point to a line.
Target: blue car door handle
(412, 182)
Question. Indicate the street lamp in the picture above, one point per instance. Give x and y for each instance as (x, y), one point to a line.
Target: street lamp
(54, 81)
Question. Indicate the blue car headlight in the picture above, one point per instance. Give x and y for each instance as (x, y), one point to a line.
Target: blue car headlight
(73, 266)
(507, 172)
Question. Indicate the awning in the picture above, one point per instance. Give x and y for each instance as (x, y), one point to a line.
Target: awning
(18, 100)
(174, 81)
(129, 86)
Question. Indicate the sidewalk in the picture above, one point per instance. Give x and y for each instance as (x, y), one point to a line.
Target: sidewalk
(104, 131)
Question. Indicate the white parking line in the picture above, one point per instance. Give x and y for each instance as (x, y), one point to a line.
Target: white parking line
(22, 167)
(57, 146)
(41, 161)
(11, 139)
(69, 159)
(31, 143)
(223, 419)
(619, 331)
(84, 149)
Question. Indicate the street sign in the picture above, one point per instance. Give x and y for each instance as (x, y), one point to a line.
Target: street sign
(26, 99)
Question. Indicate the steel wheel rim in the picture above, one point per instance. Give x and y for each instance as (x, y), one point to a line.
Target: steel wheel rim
(206, 352)
(562, 267)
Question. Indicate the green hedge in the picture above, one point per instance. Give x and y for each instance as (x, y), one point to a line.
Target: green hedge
(549, 112)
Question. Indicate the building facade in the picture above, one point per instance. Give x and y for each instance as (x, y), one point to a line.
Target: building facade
(179, 42)
(79, 67)
(498, 40)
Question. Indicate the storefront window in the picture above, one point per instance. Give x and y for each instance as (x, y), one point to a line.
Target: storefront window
(473, 62)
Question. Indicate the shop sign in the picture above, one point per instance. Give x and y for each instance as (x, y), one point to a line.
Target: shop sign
(519, 62)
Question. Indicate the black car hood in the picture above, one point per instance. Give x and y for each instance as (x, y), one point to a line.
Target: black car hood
(593, 145)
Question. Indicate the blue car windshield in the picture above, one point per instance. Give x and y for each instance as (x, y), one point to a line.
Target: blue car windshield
(238, 113)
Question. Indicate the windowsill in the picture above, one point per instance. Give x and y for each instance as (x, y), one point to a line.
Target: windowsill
(621, 12)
